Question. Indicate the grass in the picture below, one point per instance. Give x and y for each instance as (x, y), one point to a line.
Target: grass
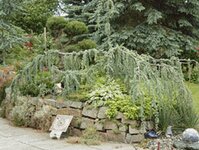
(194, 88)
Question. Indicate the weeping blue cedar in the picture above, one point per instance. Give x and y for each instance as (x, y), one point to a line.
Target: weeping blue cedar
(161, 80)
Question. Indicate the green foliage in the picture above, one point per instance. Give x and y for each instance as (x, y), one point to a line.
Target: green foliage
(55, 25)
(159, 28)
(103, 93)
(90, 137)
(87, 44)
(68, 34)
(41, 84)
(123, 105)
(39, 44)
(33, 14)
(72, 48)
(10, 34)
(150, 83)
(74, 28)
(195, 75)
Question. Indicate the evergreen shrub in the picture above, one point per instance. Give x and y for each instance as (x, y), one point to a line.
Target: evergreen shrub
(74, 28)
(55, 25)
(87, 44)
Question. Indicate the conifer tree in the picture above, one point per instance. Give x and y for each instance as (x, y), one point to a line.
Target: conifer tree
(9, 34)
(161, 28)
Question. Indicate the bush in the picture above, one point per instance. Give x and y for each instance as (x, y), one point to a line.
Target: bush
(55, 25)
(41, 85)
(195, 75)
(72, 48)
(87, 44)
(74, 28)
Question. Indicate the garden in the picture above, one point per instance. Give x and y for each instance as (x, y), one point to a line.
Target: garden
(121, 69)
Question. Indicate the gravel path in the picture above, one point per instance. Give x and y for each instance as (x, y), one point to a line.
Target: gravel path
(14, 138)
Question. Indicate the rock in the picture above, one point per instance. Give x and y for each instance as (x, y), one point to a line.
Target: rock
(76, 122)
(50, 102)
(110, 125)
(185, 145)
(78, 105)
(60, 105)
(86, 122)
(190, 135)
(134, 138)
(69, 111)
(133, 130)
(133, 123)
(119, 115)
(102, 112)
(90, 112)
(123, 128)
(99, 126)
(112, 136)
(169, 132)
(150, 125)
(75, 132)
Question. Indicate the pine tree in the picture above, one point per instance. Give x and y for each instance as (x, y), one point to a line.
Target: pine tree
(161, 28)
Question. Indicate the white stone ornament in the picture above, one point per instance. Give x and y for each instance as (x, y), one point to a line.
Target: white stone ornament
(60, 125)
(190, 135)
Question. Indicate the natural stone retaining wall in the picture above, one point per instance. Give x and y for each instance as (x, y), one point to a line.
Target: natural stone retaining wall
(118, 129)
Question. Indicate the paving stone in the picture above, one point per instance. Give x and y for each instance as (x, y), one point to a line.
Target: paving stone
(90, 112)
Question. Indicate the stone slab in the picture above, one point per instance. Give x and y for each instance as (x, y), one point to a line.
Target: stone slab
(90, 112)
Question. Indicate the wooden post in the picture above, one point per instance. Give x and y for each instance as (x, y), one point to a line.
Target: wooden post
(45, 39)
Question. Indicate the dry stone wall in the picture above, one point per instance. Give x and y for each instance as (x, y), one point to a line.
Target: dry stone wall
(119, 129)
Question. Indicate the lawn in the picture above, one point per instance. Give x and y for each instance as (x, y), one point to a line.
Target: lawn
(195, 93)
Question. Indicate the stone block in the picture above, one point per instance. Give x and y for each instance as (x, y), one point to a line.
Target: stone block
(99, 126)
(78, 105)
(133, 123)
(150, 125)
(50, 102)
(74, 132)
(86, 122)
(102, 112)
(134, 138)
(112, 136)
(119, 115)
(133, 130)
(123, 128)
(76, 122)
(69, 111)
(90, 112)
(60, 105)
(110, 125)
